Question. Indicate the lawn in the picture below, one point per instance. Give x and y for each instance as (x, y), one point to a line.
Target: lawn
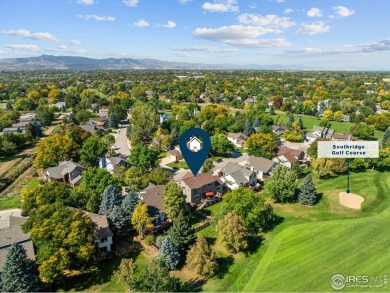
(310, 121)
(178, 165)
(13, 200)
(314, 243)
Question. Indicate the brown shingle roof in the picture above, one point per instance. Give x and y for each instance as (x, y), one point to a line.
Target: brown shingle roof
(175, 153)
(101, 228)
(235, 135)
(153, 196)
(200, 180)
(283, 150)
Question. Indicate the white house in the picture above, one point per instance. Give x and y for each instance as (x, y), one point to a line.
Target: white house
(235, 175)
(238, 138)
(195, 145)
(102, 234)
(109, 163)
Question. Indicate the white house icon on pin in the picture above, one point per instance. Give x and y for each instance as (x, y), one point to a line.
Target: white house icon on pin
(194, 144)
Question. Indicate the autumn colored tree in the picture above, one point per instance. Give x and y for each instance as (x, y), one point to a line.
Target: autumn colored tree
(261, 145)
(140, 219)
(232, 232)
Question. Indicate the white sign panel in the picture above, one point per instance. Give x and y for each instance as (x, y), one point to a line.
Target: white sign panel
(348, 149)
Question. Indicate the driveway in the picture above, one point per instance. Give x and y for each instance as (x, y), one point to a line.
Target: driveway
(121, 143)
(236, 159)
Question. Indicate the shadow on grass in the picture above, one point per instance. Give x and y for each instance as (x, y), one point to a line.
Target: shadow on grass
(254, 243)
(97, 274)
(224, 263)
(319, 197)
(193, 285)
(272, 223)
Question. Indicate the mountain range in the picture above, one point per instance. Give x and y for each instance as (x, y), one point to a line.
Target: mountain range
(50, 62)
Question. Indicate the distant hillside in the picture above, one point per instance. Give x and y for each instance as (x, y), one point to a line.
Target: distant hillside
(48, 62)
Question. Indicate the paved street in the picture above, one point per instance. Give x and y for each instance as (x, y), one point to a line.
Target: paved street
(121, 146)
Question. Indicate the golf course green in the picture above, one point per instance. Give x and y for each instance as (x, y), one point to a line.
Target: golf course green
(314, 243)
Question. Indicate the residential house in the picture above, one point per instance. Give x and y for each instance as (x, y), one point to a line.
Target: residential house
(261, 166)
(102, 234)
(98, 121)
(164, 117)
(319, 132)
(28, 117)
(251, 100)
(109, 163)
(153, 196)
(20, 125)
(103, 113)
(13, 130)
(194, 144)
(67, 172)
(279, 130)
(345, 118)
(60, 105)
(287, 157)
(90, 128)
(235, 175)
(342, 137)
(204, 184)
(11, 232)
(174, 155)
(237, 138)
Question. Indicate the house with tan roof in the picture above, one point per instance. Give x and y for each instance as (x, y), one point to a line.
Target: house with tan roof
(237, 138)
(201, 186)
(67, 172)
(174, 155)
(261, 166)
(235, 175)
(153, 196)
(102, 234)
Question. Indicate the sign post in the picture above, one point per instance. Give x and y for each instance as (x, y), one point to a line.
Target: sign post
(348, 150)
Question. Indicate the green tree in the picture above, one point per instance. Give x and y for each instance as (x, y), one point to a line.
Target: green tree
(308, 193)
(325, 123)
(113, 120)
(143, 122)
(272, 110)
(207, 166)
(221, 146)
(88, 195)
(300, 122)
(19, 273)
(323, 167)
(156, 278)
(261, 145)
(250, 206)
(159, 176)
(63, 237)
(386, 138)
(140, 219)
(126, 272)
(182, 233)
(174, 200)
(143, 157)
(232, 232)
(44, 115)
(201, 258)
(54, 149)
(135, 178)
(280, 186)
(93, 148)
(363, 131)
(358, 165)
(248, 130)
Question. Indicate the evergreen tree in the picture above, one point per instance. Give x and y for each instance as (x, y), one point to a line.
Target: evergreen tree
(279, 121)
(119, 221)
(386, 138)
(300, 122)
(130, 202)
(182, 233)
(175, 137)
(291, 118)
(8, 106)
(201, 258)
(113, 120)
(72, 118)
(248, 128)
(19, 273)
(272, 110)
(110, 198)
(256, 123)
(308, 193)
(296, 167)
(169, 253)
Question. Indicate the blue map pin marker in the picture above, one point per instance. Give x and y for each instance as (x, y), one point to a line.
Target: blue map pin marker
(193, 149)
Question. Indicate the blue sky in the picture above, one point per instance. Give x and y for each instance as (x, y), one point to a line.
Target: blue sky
(321, 34)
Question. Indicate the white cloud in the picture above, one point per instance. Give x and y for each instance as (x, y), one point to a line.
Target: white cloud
(288, 11)
(185, 55)
(208, 49)
(85, 2)
(314, 12)
(184, 2)
(141, 23)
(130, 3)
(221, 6)
(75, 42)
(252, 5)
(96, 17)
(343, 11)
(270, 21)
(313, 28)
(383, 45)
(278, 1)
(26, 34)
(32, 48)
(169, 24)
(240, 36)
(59, 48)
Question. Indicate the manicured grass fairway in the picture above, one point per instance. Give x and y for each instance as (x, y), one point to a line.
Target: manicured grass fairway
(310, 121)
(314, 243)
(13, 201)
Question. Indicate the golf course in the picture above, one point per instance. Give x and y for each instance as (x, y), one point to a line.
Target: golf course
(311, 244)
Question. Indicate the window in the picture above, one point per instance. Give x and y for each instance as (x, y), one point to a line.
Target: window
(103, 249)
(210, 185)
(103, 240)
